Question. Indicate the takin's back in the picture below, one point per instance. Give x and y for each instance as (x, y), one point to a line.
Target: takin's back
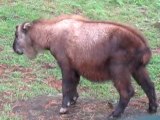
(91, 45)
(84, 36)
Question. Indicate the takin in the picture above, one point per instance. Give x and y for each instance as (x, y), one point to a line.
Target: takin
(96, 50)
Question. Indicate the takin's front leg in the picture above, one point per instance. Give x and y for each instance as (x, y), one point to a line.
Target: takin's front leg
(69, 88)
(122, 81)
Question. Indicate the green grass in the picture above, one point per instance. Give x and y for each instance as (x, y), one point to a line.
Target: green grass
(140, 13)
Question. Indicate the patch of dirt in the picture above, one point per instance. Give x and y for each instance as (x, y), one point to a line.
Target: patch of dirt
(20, 69)
(4, 98)
(1, 48)
(143, 10)
(16, 17)
(1, 101)
(157, 24)
(28, 77)
(3, 18)
(47, 108)
(156, 51)
(27, 74)
(3, 67)
(8, 2)
(53, 82)
(1, 70)
(77, 11)
(48, 66)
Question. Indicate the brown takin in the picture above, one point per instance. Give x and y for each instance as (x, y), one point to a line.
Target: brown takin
(96, 50)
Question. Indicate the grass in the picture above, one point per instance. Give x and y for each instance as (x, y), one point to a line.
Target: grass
(139, 13)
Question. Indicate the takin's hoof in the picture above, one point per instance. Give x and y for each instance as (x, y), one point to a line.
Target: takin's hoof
(152, 109)
(63, 110)
(113, 116)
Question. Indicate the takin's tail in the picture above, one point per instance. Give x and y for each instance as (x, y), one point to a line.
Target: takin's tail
(144, 56)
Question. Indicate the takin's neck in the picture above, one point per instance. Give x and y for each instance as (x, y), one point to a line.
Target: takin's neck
(42, 35)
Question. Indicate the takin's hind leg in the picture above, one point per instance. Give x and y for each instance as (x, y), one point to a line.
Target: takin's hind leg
(142, 78)
(69, 89)
(122, 81)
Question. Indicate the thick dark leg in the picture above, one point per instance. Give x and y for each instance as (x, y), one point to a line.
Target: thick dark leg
(142, 77)
(69, 89)
(122, 82)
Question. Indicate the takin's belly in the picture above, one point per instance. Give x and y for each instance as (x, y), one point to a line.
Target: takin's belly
(95, 74)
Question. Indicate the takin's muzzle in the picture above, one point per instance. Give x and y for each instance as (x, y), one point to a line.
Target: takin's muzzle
(17, 48)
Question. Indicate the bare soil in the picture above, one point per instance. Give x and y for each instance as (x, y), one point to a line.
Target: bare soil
(47, 108)
(156, 51)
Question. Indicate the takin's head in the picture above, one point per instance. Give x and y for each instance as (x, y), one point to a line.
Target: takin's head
(23, 44)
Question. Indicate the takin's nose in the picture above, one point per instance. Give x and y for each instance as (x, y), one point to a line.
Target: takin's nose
(17, 49)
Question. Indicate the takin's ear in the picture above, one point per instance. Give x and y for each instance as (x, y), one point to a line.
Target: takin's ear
(26, 26)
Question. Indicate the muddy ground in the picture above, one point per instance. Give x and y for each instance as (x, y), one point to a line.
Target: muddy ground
(47, 108)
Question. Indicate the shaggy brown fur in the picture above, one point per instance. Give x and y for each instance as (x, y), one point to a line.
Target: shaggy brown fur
(97, 50)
